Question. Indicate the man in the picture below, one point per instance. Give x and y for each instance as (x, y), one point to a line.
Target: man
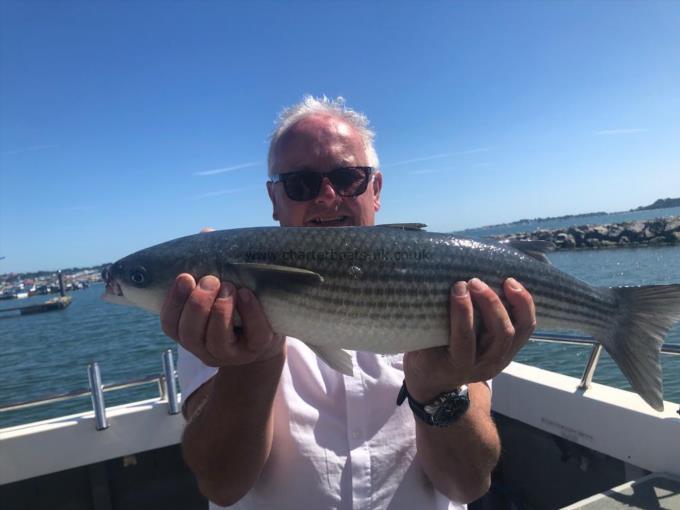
(271, 426)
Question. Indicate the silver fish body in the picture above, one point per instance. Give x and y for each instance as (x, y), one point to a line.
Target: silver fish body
(386, 290)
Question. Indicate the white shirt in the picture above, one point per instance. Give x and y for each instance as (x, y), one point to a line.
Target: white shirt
(340, 442)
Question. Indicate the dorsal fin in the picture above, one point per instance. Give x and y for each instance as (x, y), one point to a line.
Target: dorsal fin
(404, 226)
(535, 249)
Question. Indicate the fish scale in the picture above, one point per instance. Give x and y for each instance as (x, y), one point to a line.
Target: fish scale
(386, 289)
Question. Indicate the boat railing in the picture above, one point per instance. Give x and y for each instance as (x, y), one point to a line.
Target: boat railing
(596, 350)
(167, 382)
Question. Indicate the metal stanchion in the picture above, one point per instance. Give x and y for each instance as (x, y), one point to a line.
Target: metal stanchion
(170, 382)
(587, 377)
(98, 404)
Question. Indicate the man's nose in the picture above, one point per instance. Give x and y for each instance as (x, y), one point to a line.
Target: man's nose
(327, 192)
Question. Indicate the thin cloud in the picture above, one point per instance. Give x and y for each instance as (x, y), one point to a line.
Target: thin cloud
(417, 160)
(222, 192)
(436, 156)
(620, 131)
(472, 151)
(31, 148)
(229, 168)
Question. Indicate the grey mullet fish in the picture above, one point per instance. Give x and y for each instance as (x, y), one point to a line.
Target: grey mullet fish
(385, 289)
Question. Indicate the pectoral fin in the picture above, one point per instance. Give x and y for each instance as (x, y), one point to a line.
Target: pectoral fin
(258, 276)
(272, 270)
(337, 359)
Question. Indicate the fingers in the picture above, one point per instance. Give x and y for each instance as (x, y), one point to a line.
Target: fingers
(500, 331)
(256, 328)
(462, 340)
(523, 312)
(194, 320)
(171, 311)
(474, 354)
(220, 340)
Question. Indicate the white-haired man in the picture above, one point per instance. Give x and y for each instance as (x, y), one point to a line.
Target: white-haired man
(271, 426)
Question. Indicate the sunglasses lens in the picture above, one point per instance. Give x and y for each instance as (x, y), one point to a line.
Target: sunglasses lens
(303, 186)
(349, 182)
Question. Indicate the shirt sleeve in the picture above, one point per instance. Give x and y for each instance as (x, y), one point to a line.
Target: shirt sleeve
(192, 372)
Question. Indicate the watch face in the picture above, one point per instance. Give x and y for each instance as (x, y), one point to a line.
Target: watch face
(450, 409)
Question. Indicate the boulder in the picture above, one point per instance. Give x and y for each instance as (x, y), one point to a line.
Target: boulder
(673, 238)
(633, 229)
(657, 240)
(543, 235)
(577, 233)
(564, 240)
(614, 232)
(656, 226)
(648, 233)
(672, 224)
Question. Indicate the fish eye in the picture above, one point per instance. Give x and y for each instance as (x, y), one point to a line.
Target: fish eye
(139, 277)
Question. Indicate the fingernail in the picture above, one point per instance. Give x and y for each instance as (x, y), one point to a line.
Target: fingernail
(244, 294)
(184, 287)
(226, 291)
(476, 285)
(513, 284)
(460, 289)
(209, 283)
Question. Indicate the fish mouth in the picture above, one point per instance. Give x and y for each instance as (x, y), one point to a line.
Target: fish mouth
(114, 289)
(340, 220)
(113, 293)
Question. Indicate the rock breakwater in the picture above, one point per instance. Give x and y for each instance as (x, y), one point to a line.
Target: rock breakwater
(656, 232)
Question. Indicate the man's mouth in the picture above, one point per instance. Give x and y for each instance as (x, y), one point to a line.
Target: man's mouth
(330, 221)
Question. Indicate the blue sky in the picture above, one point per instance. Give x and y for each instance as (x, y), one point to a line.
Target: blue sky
(114, 116)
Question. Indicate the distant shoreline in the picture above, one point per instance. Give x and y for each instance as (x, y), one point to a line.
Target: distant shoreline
(661, 203)
(628, 234)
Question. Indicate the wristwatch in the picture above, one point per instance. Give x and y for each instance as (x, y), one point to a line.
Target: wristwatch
(443, 411)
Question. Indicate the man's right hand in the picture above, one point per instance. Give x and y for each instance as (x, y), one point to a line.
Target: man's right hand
(229, 432)
(201, 318)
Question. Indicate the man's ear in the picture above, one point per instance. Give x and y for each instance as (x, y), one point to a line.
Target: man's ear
(272, 197)
(377, 186)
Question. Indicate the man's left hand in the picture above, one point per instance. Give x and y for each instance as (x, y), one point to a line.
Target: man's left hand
(472, 356)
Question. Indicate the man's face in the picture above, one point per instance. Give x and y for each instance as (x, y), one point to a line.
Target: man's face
(322, 143)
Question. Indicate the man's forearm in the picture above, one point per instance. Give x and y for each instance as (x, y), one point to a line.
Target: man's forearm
(228, 437)
(459, 459)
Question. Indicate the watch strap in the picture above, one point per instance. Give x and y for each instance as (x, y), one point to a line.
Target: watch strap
(442, 411)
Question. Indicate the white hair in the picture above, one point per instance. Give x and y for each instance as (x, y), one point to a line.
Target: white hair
(336, 107)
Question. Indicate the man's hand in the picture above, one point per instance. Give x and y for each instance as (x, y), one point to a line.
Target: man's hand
(469, 358)
(229, 433)
(458, 459)
(201, 318)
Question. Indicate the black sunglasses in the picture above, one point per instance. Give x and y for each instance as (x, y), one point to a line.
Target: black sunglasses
(303, 185)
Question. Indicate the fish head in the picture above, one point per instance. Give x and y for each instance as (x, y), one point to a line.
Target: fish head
(142, 279)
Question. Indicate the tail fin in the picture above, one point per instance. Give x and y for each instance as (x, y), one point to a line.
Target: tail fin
(646, 315)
